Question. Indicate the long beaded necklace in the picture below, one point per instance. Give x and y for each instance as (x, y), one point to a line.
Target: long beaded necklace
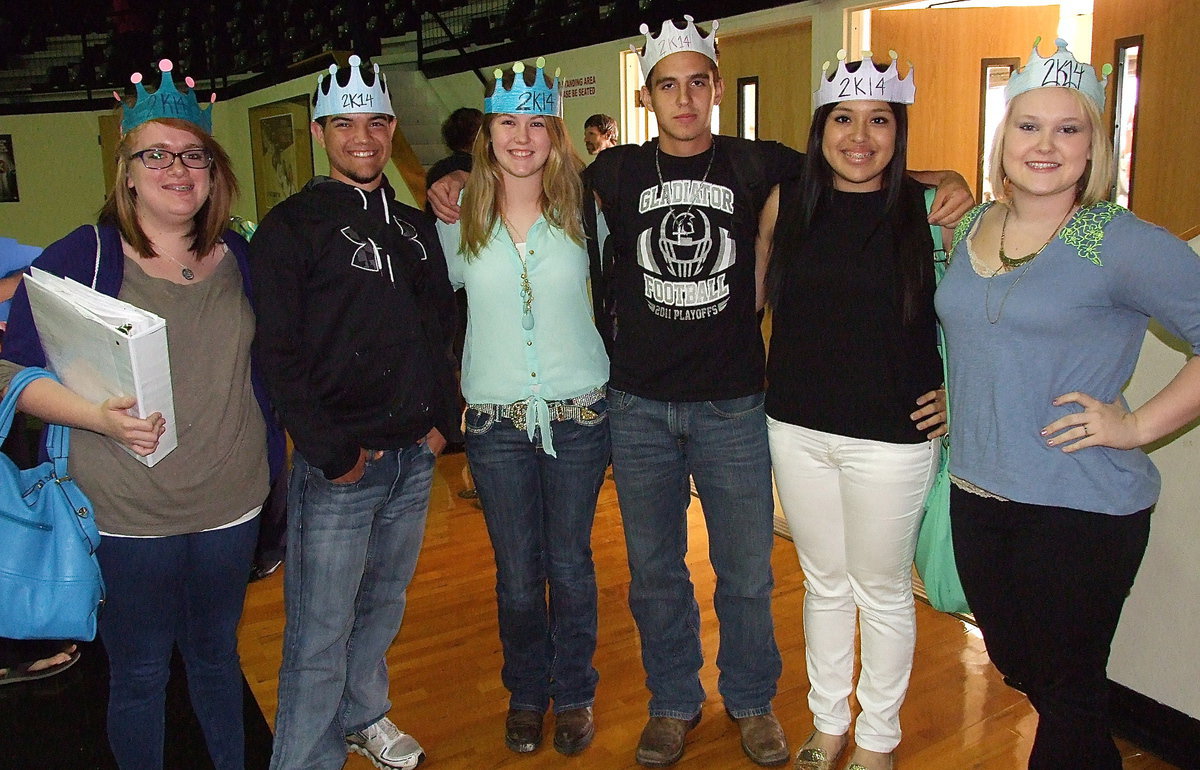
(526, 285)
(658, 167)
(1007, 263)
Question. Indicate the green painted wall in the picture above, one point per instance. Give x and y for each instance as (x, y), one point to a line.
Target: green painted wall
(59, 175)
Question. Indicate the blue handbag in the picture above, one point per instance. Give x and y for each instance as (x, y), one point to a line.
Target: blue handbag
(50, 584)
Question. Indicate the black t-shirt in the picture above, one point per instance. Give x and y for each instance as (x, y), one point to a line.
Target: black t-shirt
(683, 276)
(456, 161)
(842, 360)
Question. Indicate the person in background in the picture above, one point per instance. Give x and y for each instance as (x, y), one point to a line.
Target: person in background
(458, 132)
(15, 257)
(1045, 305)
(852, 403)
(599, 133)
(534, 372)
(355, 323)
(178, 537)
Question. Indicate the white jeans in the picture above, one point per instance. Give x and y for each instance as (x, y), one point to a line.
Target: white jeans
(854, 508)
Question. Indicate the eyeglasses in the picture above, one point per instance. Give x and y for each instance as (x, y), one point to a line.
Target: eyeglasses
(157, 158)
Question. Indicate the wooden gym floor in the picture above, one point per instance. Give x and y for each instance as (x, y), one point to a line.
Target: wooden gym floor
(445, 665)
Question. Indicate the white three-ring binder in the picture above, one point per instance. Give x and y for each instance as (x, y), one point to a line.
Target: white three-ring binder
(101, 347)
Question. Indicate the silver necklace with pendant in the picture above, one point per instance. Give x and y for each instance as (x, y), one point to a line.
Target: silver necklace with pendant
(187, 273)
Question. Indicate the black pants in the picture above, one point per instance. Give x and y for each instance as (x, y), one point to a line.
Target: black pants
(1046, 586)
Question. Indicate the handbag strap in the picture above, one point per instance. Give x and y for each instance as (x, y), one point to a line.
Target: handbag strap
(96, 270)
(941, 259)
(58, 437)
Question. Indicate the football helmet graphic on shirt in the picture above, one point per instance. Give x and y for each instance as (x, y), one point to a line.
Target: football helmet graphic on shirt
(685, 259)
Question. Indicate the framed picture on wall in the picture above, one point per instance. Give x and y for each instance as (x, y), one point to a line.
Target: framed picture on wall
(281, 150)
(8, 171)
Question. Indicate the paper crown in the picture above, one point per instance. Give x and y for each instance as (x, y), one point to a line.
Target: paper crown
(523, 99)
(1061, 70)
(671, 39)
(357, 96)
(166, 102)
(866, 82)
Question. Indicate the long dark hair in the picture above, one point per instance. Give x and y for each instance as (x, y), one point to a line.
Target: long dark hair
(906, 213)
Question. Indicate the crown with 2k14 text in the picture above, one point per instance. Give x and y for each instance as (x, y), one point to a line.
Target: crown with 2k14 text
(1061, 70)
(865, 83)
(671, 39)
(355, 95)
(166, 102)
(539, 98)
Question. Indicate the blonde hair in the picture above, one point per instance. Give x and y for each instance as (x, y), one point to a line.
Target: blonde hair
(209, 223)
(562, 186)
(1097, 181)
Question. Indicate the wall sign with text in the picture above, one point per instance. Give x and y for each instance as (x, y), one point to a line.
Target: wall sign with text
(580, 86)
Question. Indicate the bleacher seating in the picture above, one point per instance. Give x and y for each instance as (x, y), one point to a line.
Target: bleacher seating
(63, 49)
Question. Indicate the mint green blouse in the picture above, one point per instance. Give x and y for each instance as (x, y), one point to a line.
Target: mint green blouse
(561, 355)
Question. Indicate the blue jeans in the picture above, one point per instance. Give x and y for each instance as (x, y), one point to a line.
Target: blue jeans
(352, 550)
(539, 512)
(162, 591)
(722, 445)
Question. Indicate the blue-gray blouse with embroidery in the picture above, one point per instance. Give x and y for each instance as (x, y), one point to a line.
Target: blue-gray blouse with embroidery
(1073, 319)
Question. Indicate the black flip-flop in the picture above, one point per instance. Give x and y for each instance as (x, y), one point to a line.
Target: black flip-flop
(22, 672)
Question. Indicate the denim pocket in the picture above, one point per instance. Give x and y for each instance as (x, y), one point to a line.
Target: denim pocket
(478, 422)
(317, 478)
(620, 401)
(733, 408)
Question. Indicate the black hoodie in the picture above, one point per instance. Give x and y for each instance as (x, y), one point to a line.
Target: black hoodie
(354, 331)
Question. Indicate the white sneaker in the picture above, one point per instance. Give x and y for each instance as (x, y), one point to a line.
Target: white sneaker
(386, 746)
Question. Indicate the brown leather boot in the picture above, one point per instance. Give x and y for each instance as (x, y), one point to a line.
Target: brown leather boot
(661, 743)
(763, 739)
(523, 730)
(573, 730)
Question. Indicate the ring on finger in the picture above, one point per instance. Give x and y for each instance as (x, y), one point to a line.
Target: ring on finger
(1085, 431)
